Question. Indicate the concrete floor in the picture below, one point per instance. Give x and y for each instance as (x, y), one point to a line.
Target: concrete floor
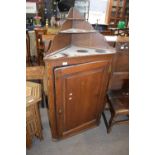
(94, 141)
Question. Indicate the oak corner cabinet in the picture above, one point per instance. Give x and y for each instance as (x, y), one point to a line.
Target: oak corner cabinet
(77, 68)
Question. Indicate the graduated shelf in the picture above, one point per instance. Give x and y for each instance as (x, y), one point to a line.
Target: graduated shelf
(74, 51)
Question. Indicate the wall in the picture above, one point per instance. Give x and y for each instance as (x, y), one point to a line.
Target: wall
(97, 11)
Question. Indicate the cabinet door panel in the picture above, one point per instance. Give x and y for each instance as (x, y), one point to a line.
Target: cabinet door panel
(79, 94)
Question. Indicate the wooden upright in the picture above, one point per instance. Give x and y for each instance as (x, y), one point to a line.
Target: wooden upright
(78, 65)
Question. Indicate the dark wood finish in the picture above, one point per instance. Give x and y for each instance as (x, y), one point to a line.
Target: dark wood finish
(40, 44)
(82, 25)
(119, 32)
(72, 86)
(122, 62)
(52, 112)
(76, 24)
(116, 32)
(118, 93)
(48, 39)
(117, 12)
(120, 66)
(96, 40)
(28, 55)
(60, 41)
(76, 85)
(107, 33)
(116, 80)
(118, 101)
(67, 24)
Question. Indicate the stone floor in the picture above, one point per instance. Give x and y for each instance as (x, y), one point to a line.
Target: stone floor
(94, 141)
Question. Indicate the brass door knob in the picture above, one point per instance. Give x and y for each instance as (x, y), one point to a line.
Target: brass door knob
(70, 98)
(59, 111)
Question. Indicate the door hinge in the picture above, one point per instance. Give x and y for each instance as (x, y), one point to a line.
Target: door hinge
(109, 70)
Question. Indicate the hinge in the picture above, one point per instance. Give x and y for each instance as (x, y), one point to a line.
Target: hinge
(109, 70)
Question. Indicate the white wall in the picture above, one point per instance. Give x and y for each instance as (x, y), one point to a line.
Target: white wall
(31, 7)
(97, 11)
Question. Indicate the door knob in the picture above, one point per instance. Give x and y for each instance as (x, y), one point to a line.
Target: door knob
(70, 98)
(59, 111)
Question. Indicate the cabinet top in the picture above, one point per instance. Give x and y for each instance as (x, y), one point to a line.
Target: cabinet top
(77, 38)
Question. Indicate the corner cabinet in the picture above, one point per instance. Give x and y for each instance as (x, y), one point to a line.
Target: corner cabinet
(78, 69)
(117, 10)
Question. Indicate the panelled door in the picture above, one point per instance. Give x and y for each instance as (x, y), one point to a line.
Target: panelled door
(79, 95)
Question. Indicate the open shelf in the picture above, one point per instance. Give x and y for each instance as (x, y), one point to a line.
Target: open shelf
(74, 51)
(77, 34)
